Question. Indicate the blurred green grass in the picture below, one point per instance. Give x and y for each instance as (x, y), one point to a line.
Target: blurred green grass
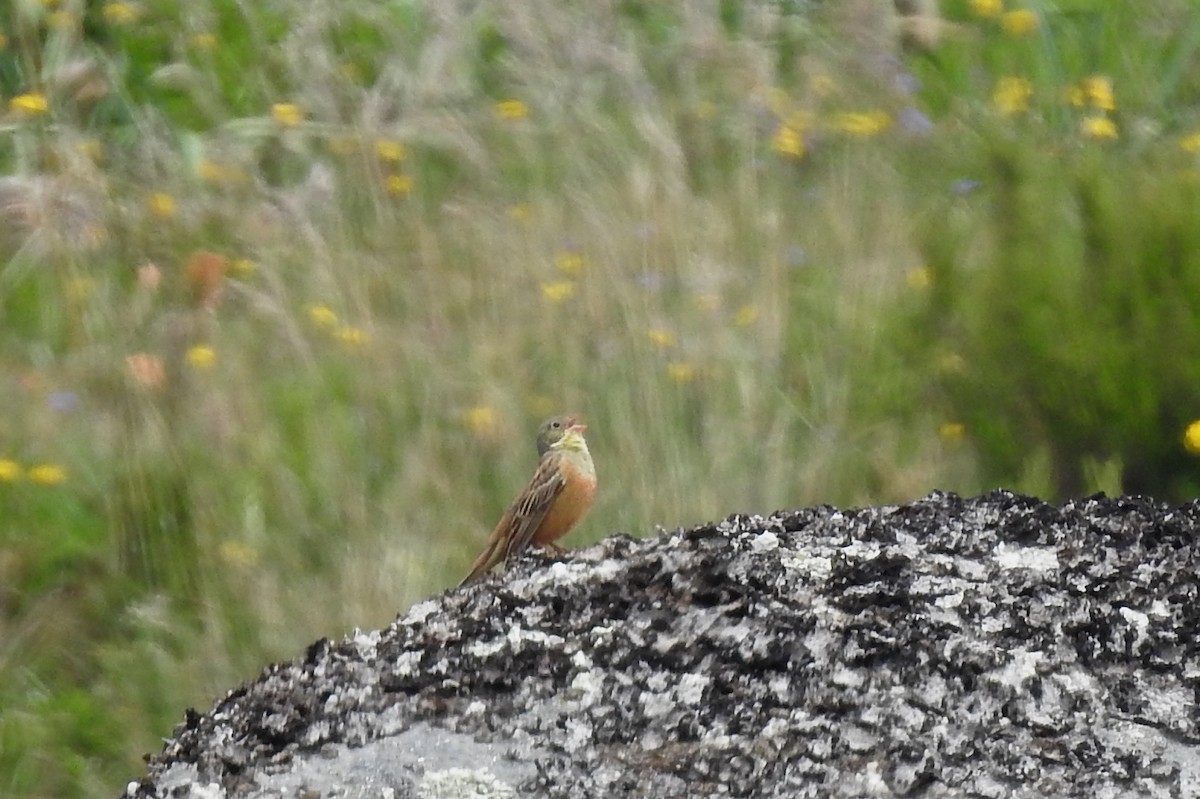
(286, 290)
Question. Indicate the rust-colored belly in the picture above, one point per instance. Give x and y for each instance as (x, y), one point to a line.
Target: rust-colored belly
(571, 506)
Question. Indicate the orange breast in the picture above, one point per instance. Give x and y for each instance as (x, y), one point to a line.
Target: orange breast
(570, 506)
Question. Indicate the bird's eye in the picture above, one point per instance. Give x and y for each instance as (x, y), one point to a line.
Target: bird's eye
(556, 425)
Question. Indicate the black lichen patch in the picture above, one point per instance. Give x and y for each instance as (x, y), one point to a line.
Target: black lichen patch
(948, 647)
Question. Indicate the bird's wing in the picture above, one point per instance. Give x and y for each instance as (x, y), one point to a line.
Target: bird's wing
(522, 519)
(535, 502)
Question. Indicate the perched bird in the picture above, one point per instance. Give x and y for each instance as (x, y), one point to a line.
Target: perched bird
(558, 496)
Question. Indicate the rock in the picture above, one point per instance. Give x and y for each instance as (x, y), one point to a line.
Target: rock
(988, 647)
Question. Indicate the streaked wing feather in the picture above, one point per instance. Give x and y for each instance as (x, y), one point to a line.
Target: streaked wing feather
(535, 502)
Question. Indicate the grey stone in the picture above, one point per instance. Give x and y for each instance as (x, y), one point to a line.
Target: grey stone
(988, 647)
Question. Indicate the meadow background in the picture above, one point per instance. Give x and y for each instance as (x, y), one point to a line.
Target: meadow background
(287, 286)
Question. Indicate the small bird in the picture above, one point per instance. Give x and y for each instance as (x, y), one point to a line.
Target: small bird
(558, 496)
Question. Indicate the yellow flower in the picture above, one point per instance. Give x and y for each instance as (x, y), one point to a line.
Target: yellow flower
(322, 316)
(351, 336)
(3, 42)
(1191, 438)
(663, 339)
(204, 41)
(237, 554)
(745, 316)
(952, 363)
(1098, 127)
(202, 357)
(681, 372)
(481, 421)
(952, 432)
(161, 204)
(1099, 92)
(866, 124)
(243, 267)
(61, 20)
(521, 212)
(29, 105)
(558, 291)
(398, 185)
(569, 263)
(788, 141)
(47, 474)
(91, 148)
(119, 13)
(1020, 22)
(987, 9)
(10, 471)
(920, 277)
(512, 109)
(79, 288)
(1011, 95)
(390, 150)
(213, 172)
(1190, 143)
(287, 114)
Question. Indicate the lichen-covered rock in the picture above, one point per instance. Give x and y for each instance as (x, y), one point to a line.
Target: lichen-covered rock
(989, 647)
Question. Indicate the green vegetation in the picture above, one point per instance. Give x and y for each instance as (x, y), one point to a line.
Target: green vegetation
(286, 287)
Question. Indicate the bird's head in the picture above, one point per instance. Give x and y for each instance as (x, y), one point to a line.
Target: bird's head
(561, 432)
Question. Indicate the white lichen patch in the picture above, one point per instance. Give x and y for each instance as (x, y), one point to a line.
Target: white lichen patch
(1039, 559)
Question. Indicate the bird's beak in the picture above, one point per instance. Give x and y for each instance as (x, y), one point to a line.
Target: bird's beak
(575, 423)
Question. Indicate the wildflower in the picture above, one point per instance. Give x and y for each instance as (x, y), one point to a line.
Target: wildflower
(289, 115)
(1098, 127)
(161, 204)
(390, 150)
(79, 288)
(47, 474)
(1020, 22)
(746, 316)
(521, 212)
(149, 276)
(398, 185)
(3, 42)
(1190, 143)
(237, 553)
(558, 291)
(1099, 92)
(202, 357)
(681, 372)
(1191, 438)
(512, 109)
(706, 109)
(213, 172)
(569, 263)
(322, 316)
(61, 20)
(10, 471)
(987, 9)
(206, 278)
(351, 336)
(920, 277)
(90, 148)
(204, 41)
(663, 339)
(866, 124)
(119, 13)
(146, 370)
(481, 421)
(951, 363)
(1011, 95)
(788, 141)
(29, 105)
(243, 267)
(952, 432)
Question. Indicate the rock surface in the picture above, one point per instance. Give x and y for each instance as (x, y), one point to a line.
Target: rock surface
(988, 647)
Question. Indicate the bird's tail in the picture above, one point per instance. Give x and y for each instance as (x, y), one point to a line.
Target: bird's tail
(488, 558)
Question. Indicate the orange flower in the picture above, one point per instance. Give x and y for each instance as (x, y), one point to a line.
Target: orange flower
(206, 278)
(146, 370)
